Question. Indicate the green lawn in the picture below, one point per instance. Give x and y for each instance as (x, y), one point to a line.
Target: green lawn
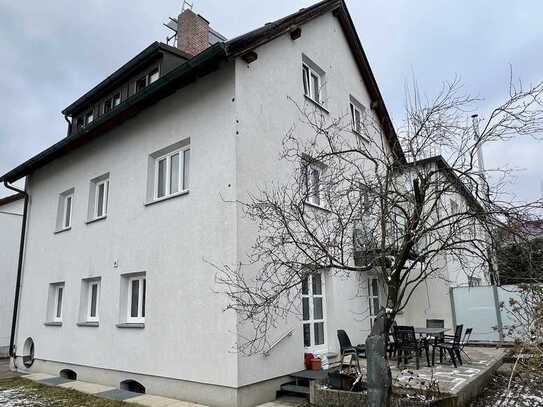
(17, 392)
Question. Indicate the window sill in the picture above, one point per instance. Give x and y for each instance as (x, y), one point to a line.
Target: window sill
(315, 206)
(321, 107)
(58, 323)
(131, 325)
(96, 219)
(62, 230)
(359, 134)
(88, 324)
(166, 198)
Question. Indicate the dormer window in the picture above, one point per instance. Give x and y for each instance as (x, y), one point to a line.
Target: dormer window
(89, 117)
(153, 76)
(116, 99)
(141, 83)
(108, 105)
(146, 80)
(80, 122)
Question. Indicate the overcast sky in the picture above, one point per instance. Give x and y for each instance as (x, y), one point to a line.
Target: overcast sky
(54, 51)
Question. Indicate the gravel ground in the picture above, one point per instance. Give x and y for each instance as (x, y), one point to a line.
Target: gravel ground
(526, 391)
(18, 392)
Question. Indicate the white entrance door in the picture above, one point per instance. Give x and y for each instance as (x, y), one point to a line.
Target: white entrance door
(314, 318)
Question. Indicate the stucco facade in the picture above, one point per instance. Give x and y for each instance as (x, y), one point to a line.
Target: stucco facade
(10, 231)
(234, 119)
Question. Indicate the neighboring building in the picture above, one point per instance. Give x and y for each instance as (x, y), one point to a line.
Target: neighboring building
(11, 215)
(432, 304)
(128, 210)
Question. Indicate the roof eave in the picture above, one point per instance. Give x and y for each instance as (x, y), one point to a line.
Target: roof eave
(186, 73)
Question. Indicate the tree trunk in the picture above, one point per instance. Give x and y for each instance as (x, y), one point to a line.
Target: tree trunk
(379, 375)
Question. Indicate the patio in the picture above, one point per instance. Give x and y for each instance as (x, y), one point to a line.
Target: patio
(464, 382)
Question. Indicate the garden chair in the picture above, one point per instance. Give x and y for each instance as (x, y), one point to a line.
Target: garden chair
(465, 341)
(347, 348)
(451, 345)
(406, 343)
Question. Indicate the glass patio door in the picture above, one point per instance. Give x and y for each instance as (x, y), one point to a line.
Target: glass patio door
(314, 318)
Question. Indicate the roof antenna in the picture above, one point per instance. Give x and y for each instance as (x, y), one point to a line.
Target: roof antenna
(173, 24)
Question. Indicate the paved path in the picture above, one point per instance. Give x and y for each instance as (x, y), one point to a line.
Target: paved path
(110, 393)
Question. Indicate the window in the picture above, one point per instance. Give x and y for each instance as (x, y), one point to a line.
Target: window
(89, 117)
(116, 99)
(92, 300)
(373, 297)
(313, 183)
(313, 80)
(313, 309)
(172, 173)
(312, 84)
(108, 105)
(435, 323)
(99, 196)
(357, 115)
(136, 299)
(141, 83)
(80, 122)
(58, 302)
(153, 76)
(474, 282)
(65, 210)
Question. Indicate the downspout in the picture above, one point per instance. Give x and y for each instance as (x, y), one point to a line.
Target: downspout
(69, 132)
(19, 270)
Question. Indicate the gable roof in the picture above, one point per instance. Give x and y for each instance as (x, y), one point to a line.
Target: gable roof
(11, 198)
(204, 63)
(444, 166)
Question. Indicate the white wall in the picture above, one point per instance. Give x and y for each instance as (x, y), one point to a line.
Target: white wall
(187, 335)
(10, 232)
(265, 115)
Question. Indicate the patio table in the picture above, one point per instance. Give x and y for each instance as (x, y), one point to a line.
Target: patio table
(431, 331)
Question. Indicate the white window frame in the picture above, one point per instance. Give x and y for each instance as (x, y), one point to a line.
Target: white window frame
(309, 88)
(314, 192)
(141, 294)
(89, 117)
(371, 297)
(357, 126)
(67, 225)
(96, 317)
(312, 321)
(151, 72)
(182, 187)
(105, 199)
(114, 99)
(59, 302)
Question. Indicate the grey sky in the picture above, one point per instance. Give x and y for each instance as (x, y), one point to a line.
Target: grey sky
(53, 52)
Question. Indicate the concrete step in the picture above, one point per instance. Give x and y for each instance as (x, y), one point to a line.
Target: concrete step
(295, 389)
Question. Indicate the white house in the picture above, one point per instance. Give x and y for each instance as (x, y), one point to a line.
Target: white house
(126, 213)
(11, 214)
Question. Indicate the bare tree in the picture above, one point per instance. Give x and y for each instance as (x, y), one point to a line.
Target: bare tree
(355, 204)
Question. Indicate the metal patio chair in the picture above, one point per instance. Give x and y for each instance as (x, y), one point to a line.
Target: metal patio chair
(406, 343)
(451, 345)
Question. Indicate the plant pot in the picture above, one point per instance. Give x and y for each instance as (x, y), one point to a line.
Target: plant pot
(315, 364)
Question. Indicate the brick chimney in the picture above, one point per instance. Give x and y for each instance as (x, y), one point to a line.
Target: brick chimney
(192, 32)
